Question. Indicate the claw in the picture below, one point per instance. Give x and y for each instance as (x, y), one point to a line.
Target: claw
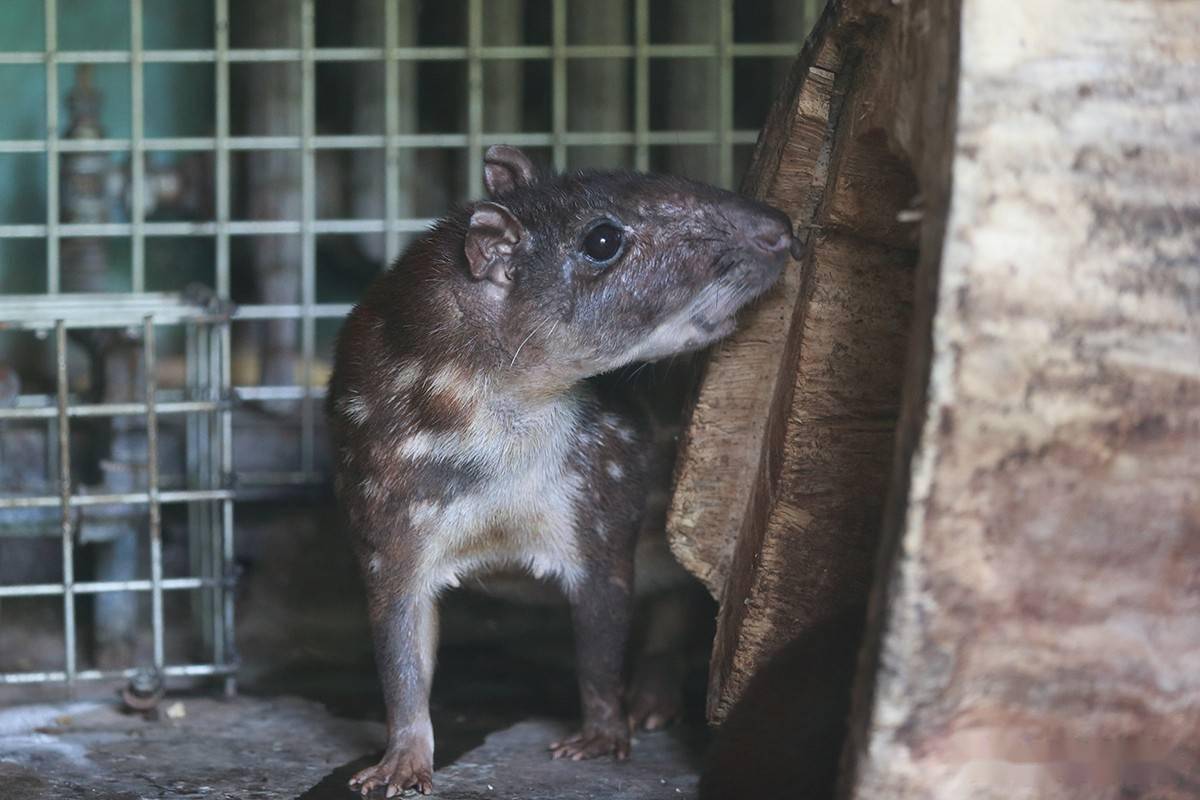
(657, 695)
(592, 745)
(397, 771)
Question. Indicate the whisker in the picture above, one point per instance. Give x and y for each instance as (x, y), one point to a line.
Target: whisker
(526, 339)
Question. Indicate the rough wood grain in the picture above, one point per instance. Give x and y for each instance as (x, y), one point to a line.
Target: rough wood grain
(1034, 627)
(746, 391)
(1038, 633)
(785, 490)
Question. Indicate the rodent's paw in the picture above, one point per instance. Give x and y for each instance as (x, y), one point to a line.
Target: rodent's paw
(591, 744)
(397, 771)
(656, 699)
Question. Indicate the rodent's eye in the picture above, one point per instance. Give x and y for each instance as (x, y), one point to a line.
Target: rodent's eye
(603, 243)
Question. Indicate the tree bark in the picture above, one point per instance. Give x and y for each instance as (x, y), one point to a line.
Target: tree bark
(996, 327)
(1036, 632)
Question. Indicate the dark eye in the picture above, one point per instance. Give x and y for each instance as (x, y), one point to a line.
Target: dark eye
(603, 243)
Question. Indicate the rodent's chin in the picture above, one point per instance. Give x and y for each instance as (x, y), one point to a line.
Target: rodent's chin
(723, 329)
(712, 333)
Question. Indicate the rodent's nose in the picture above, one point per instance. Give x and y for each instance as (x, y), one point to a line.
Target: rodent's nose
(768, 232)
(773, 240)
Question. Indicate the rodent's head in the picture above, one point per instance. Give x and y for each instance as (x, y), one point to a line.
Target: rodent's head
(589, 271)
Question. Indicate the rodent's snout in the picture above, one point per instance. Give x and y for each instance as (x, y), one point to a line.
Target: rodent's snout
(766, 229)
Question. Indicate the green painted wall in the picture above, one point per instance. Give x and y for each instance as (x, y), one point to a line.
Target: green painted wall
(171, 108)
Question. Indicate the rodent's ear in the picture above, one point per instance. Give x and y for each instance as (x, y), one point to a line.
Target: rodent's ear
(492, 235)
(505, 168)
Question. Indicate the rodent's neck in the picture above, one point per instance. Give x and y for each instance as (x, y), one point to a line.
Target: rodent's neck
(433, 317)
(537, 388)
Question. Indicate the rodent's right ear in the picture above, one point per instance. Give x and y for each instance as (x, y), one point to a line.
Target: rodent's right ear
(492, 235)
(505, 168)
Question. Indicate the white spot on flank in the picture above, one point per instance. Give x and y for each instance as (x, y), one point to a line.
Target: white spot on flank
(405, 376)
(418, 445)
(354, 408)
(373, 564)
(465, 388)
(454, 380)
(614, 470)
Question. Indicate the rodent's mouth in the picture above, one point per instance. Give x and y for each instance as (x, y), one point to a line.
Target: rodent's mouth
(740, 287)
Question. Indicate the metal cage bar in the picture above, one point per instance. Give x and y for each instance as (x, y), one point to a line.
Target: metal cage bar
(641, 85)
(474, 97)
(220, 342)
(194, 452)
(225, 651)
(391, 127)
(725, 92)
(558, 84)
(115, 498)
(64, 499)
(308, 240)
(53, 279)
(371, 141)
(108, 410)
(150, 360)
(221, 144)
(96, 587)
(425, 53)
(170, 671)
(137, 156)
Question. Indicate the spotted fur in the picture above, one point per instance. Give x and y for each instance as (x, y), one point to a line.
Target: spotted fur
(476, 431)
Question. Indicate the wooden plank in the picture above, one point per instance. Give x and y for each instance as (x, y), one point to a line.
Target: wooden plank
(815, 555)
(786, 464)
(743, 397)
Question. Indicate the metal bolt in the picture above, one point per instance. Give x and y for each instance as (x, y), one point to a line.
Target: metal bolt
(144, 690)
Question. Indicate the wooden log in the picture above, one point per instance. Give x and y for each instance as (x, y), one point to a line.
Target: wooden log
(785, 465)
(745, 391)
(1033, 627)
(1037, 631)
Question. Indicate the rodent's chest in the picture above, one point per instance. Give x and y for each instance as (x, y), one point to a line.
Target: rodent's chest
(517, 505)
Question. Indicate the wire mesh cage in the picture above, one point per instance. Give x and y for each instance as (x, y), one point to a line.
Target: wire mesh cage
(170, 447)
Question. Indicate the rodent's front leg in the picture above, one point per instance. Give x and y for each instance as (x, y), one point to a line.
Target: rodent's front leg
(404, 628)
(601, 610)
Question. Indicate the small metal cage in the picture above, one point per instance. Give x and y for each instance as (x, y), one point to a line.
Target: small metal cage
(194, 470)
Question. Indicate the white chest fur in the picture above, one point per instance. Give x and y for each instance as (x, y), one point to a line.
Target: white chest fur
(522, 512)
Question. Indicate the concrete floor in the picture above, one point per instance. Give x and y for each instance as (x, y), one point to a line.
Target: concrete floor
(286, 747)
(310, 710)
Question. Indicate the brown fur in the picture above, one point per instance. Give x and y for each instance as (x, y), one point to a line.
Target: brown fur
(474, 429)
